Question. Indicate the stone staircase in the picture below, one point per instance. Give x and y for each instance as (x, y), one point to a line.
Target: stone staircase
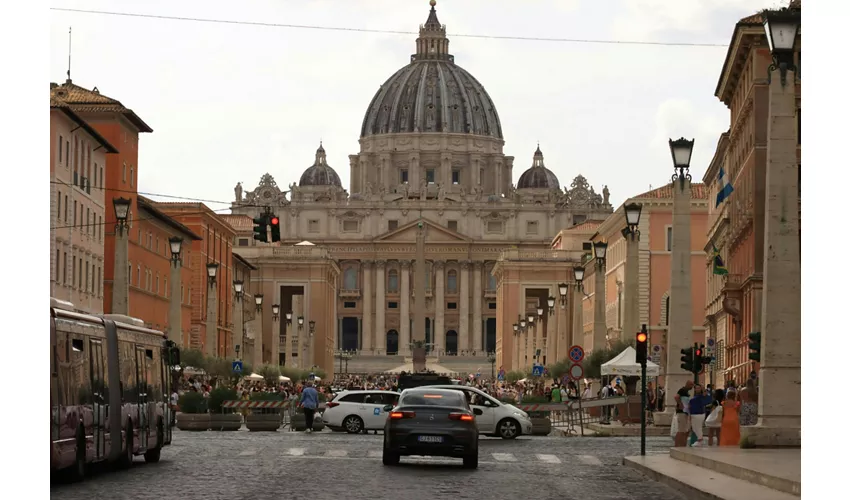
(725, 473)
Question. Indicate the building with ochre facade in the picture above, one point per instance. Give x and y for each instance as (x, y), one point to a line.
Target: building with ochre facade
(431, 154)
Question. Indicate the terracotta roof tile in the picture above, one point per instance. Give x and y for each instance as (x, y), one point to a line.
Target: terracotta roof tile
(63, 107)
(84, 100)
(586, 225)
(238, 222)
(698, 191)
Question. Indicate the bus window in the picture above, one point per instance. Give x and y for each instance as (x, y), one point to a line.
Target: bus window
(127, 370)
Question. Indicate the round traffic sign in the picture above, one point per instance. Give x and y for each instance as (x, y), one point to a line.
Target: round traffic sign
(656, 348)
(576, 372)
(710, 342)
(576, 354)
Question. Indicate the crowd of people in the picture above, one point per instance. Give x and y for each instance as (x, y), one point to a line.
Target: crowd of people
(720, 412)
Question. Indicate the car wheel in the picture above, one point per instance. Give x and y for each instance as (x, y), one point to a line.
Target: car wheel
(353, 424)
(508, 428)
(390, 458)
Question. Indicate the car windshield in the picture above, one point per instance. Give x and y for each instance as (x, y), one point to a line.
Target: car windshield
(432, 398)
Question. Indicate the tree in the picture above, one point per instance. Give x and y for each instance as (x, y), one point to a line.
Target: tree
(271, 373)
(592, 364)
(193, 358)
(514, 375)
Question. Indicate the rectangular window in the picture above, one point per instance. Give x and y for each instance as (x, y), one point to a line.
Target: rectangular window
(88, 220)
(59, 202)
(453, 225)
(587, 246)
(455, 176)
(80, 277)
(98, 282)
(313, 226)
(578, 219)
(64, 268)
(669, 238)
(73, 272)
(66, 208)
(124, 173)
(101, 176)
(56, 276)
(74, 214)
(86, 288)
(350, 226)
(132, 182)
(531, 227)
(429, 175)
(451, 305)
(494, 226)
(392, 305)
(243, 242)
(491, 305)
(402, 176)
(392, 225)
(61, 141)
(349, 305)
(100, 227)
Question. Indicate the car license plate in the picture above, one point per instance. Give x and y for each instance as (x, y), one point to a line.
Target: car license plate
(430, 439)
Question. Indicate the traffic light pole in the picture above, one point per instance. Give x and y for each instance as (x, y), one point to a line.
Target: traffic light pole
(642, 359)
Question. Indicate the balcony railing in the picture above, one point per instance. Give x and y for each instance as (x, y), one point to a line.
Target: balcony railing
(733, 282)
(534, 256)
(350, 293)
(490, 293)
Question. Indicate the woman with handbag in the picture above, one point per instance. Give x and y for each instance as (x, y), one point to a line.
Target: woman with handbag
(715, 418)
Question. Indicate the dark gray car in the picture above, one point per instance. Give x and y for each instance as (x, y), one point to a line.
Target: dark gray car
(431, 422)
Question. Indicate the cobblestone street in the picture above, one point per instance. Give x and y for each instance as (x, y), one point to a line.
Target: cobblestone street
(211, 465)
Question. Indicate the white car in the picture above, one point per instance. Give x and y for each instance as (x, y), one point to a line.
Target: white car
(358, 411)
(497, 418)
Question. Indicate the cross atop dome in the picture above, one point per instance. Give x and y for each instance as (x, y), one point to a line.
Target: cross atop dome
(432, 42)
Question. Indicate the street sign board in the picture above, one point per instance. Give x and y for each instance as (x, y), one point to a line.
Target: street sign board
(237, 367)
(537, 370)
(656, 349)
(576, 372)
(656, 358)
(710, 343)
(500, 376)
(576, 354)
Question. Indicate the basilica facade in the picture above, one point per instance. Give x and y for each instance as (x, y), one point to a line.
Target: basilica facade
(431, 159)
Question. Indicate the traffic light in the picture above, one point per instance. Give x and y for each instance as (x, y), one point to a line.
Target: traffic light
(755, 346)
(641, 340)
(275, 223)
(688, 359)
(701, 358)
(260, 224)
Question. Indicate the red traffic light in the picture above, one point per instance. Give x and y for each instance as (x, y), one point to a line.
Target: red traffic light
(698, 353)
(275, 221)
(641, 337)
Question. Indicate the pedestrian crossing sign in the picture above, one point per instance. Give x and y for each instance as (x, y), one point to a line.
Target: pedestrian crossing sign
(237, 367)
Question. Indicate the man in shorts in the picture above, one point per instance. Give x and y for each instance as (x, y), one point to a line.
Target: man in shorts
(682, 421)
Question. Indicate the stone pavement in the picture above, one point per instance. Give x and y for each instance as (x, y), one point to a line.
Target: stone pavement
(211, 465)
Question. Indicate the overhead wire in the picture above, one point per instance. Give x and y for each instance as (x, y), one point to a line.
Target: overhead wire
(383, 31)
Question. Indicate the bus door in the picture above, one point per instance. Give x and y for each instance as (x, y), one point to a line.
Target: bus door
(166, 396)
(100, 397)
(142, 388)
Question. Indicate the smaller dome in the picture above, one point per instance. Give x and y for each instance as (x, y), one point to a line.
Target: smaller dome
(538, 176)
(320, 173)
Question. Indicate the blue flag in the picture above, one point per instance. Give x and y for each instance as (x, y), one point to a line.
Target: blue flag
(725, 187)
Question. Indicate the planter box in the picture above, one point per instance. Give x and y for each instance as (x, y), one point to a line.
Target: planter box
(225, 422)
(541, 426)
(263, 422)
(299, 423)
(193, 421)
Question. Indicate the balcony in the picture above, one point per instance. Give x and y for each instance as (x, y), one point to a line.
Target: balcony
(534, 256)
(353, 293)
(733, 282)
(490, 294)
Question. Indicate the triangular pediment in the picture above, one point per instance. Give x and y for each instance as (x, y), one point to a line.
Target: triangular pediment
(433, 233)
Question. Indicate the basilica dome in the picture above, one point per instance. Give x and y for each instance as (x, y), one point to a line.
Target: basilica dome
(320, 173)
(432, 94)
(538, 176)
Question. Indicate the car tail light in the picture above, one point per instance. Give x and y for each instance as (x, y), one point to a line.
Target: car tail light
(331, 404)
(464, 417)
(398, 415)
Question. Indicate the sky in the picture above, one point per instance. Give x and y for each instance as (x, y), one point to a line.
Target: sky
(230, 102)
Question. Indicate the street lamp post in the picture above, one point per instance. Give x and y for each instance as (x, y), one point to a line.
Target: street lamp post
(300, 350)
(258, 337)
(121, 275)
(600, 329)
(212, 310)
(631, 321)
(175, 316)
(287, 339)
(779, 377)
(276, 328)
(491, 358)
(238, 315)
(680, 331)
(578, 307)
(310, 348)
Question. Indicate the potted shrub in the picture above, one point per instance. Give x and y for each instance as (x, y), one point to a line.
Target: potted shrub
(541, 425)
(299, 421)
(221, 419)
(193, 414)
(264, 419)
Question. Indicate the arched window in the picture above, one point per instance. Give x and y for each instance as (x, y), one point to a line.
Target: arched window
(350, 281)
(451, 281)
(392, 281)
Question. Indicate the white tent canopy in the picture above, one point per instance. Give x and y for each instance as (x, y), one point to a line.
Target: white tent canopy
(625, 364)
(254, 377)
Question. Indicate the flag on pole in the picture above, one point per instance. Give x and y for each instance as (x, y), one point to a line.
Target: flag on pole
(719, 266)
(725, 188)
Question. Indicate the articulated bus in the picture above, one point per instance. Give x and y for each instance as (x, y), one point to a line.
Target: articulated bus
(108, 390)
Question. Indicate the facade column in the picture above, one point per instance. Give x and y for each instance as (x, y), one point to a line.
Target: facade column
(288, 337)
(463, 334)
(577, 329)
(680, 334)
(238, 327)
(551, 348)
(380, 307)
(631, 313)
(600, 329)
(477, 297)
(404, 314)
(366, 293)
(212, 321)
(120, 273)
(298, 330)
(439, 335)
(175, 312)
(779, 376)
(258, 335)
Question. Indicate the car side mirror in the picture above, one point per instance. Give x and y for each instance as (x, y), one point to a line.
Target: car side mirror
(478, 411)
(388, 408)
